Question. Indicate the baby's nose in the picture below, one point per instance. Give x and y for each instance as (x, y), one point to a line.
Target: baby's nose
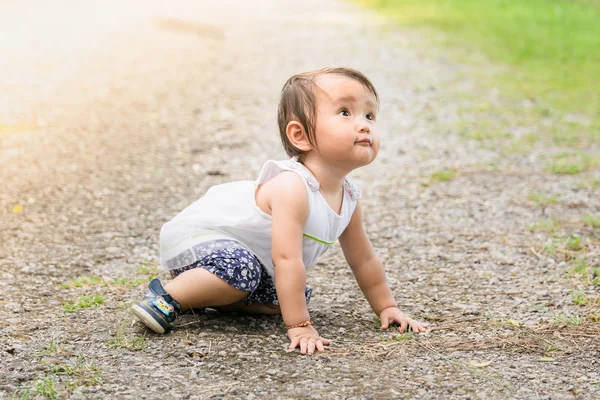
(364, 127)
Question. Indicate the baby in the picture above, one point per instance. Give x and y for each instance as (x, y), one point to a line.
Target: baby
(245, 246)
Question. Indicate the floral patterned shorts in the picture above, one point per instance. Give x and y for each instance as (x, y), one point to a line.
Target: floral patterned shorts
(236, 265)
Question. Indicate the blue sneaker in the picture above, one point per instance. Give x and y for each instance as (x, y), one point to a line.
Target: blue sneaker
(158, 309)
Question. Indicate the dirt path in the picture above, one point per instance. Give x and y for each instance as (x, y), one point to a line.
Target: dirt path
(114, 118)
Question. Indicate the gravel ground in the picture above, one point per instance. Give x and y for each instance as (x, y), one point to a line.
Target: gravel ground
(115, 116)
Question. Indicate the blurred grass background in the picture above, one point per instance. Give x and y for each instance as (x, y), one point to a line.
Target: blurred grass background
(551, 46)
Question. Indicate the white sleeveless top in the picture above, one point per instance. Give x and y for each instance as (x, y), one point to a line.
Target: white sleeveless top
(229, 211)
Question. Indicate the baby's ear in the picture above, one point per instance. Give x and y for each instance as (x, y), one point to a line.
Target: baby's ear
(297, 136)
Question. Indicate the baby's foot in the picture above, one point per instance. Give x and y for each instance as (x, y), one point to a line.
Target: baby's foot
(158, 309)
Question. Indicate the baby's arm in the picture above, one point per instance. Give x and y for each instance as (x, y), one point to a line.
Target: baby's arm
(370, 275)
(287, 199)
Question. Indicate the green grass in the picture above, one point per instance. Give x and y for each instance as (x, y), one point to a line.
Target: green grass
(84, 302)
(552, 45)
(522, 145)
(574, 243)
(83, 281)
(579, 298)
(550, 225)
(542, 200)
(562, 319)
(443, 175)
(590, 184)
(483, 134)
(592, 221)
(42, 388)
(122, 339)
(60, 378)
(147, 272)
(570, 163)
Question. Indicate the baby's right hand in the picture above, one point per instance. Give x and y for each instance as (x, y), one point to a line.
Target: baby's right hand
(308, 338)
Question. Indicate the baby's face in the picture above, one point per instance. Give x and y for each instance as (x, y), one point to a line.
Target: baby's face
(346, 132)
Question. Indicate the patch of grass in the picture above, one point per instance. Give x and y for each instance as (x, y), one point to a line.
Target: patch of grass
(121, 339)
(81, 373)
(596, 278)
(589, 274)
(122, 342)
(523, 144)
(84, 302)
(550, 247)
(147, 269)
(52, 348)
(571, 134)
(133, 281)
(592, 221)
(551, 225)
(542, 200)
(580, 267)
(406, 336)
(43, 388)
(570, 163)
(482, 135)
(552, 47)
(594, 317)
(574, 243)
(562, 319)
(83, 281)
(71, 375)
(146, 272)
(591, 184)
(579, 298)
(444, 175)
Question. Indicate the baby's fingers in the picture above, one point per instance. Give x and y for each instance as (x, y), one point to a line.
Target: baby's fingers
(294, 343)
(303, 345)
(311, 345)
(326, 342)
(417, 326)
(403, 325)
(320, 345)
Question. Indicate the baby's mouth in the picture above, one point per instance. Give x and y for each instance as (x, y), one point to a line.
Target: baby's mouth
(363, 142)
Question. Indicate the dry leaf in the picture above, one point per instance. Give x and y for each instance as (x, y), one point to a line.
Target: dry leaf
(546, 359)
(512, 322)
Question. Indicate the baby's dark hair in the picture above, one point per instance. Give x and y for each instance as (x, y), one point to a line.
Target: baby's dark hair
(298, 103)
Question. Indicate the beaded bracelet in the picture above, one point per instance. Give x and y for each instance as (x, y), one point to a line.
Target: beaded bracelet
(301, 325)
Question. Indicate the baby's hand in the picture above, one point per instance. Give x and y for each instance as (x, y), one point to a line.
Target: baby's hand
(393, 314)
(308, 338)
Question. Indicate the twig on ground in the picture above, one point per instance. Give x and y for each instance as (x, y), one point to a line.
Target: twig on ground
(538, 255)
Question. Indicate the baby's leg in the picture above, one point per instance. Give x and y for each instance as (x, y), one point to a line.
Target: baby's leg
(197, 288)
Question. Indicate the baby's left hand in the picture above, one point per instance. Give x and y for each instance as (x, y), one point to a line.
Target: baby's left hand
(393, 314)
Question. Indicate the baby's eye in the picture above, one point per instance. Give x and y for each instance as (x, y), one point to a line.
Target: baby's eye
(345, 113)
(371, 117)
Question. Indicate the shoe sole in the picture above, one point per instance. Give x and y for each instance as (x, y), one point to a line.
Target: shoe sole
(147, 319)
